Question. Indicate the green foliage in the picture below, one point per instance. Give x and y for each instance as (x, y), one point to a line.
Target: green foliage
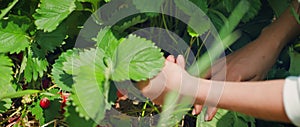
(173, 109)
(73, 119)
(13, 38)
(37, 43)
(90, 68)
(294, 62)
(229, 5)
(35, 64)
(46, 115)
(89, 84)
(5, 76)
(6, 10)
(62, 79)
(53, 111)
(227, 37)
(18, 94)
(279, 6)
(136, 59)
(107, 41)
(37, 111)
(50, 41)
(128, 24)
(91, 1)
(198, 23)
(52, 12)
(227, 118)
(5, 104)
(253, 10)
(151, 6)
(202, 4)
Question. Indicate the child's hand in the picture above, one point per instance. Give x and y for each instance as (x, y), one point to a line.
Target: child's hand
(171, 78)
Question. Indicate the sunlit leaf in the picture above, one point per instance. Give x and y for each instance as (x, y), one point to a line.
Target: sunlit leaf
(13, 38)
(107, 41)
(74, 120)
(89, 96)
(35, 64)
(52, 12)
(5, 75)
(136, 58)
(62, 79)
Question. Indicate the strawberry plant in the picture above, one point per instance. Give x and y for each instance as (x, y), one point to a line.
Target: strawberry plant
(65, 63)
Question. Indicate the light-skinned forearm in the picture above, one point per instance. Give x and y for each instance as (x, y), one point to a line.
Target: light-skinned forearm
(263, 99)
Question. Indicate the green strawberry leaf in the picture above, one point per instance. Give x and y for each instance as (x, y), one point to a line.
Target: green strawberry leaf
(200, 26)
(107, 41)
(88, 91)
(4, 105)
(52, 12)
(198, 22)
(74, 120)
(48, 114)
(53, 111)
(5, 75)
(13, 38)
(35, 64)
(50, 41)
(62, 79)
(227, 118)
(187, 7)
(37, 111)
(82, 58)
(136, 58)
(202, 4)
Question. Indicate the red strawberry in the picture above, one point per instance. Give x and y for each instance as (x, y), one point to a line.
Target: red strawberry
(45, 103)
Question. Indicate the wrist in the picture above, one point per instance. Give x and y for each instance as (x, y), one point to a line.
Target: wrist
(273, 39)
(202, 91)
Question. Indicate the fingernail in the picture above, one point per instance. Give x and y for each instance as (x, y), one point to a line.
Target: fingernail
(194, 112)
(170, 58)
(180, 56)
(206, 117)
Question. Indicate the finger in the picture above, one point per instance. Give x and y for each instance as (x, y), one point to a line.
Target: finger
(171, 58)
(210, 113)
(197, 109)
(180, 61)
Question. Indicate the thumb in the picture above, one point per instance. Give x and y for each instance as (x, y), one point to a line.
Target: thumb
(180, 61)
